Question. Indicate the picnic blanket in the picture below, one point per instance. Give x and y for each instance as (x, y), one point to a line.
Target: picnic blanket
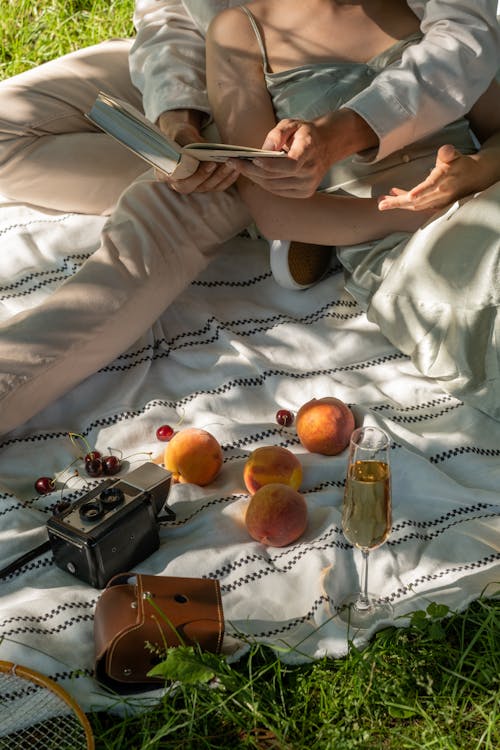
(231, 351)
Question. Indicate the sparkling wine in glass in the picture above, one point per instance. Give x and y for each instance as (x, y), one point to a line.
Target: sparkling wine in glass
(367, 517)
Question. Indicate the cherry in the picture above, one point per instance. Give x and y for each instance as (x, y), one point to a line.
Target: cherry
(284, 417)
(91, 455)
(111, 465)
(94, 467)
(44, 485)
(164, 433)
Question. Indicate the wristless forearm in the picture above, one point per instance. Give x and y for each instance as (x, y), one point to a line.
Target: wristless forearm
(183, 125)
(346, 133)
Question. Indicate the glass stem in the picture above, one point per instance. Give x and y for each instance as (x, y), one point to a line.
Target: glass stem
(363, 600)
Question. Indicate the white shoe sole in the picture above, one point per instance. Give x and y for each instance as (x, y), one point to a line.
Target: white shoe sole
(280, 266)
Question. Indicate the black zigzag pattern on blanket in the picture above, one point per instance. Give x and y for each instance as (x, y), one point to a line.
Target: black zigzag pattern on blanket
(24, 224)
(416, 418)
(71, 263)
(270, 568)
(273, 560)
(259, 380)
(205, 284)
(398, 594)
(66, 625)
(65, 269)
(57, 677)
(447, 516)
(228, 387)
(60, 609)
(4, 511)
(292, 624)
(37, 564)
(483, 562)
(164, 348)
(221, 283)
(463, 450)
(435, 534)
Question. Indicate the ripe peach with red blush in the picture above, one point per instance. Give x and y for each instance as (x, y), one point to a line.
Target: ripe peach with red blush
(325, 425)
(271, 464)
(194, 456)
(276, 515)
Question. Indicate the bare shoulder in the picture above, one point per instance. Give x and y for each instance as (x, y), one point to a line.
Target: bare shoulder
(232, 47)
(230, 27)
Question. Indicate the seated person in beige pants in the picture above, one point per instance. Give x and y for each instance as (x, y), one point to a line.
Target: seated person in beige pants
(161, 234)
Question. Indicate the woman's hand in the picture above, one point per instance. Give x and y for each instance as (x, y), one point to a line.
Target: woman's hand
(183, 126)
(312, 147)
(454, 176)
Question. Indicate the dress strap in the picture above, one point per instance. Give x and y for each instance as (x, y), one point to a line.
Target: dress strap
(260, 40)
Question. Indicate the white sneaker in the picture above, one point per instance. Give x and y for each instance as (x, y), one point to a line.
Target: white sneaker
(298, 265)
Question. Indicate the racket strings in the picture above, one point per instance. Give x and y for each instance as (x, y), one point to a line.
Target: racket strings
(33, 717)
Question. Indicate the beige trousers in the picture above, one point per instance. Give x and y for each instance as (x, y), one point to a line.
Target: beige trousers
(153, 245)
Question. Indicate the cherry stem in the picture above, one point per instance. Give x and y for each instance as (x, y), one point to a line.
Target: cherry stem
(63, 471)
(73, 435)
(75, 474)
(140, 453)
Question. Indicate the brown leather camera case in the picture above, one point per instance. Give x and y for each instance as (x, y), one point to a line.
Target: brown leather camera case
(163, 611)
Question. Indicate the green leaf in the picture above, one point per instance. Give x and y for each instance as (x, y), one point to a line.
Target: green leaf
(419, 614)
(436, 632)
(419, 620)
(182, 664)
(401, 712)
(437, 611)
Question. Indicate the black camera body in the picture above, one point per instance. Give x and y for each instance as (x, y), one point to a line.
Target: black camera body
(113, 527)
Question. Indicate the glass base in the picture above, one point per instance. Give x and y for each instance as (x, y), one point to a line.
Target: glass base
(360, 617)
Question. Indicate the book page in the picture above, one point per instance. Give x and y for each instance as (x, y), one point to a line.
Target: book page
(132, 129)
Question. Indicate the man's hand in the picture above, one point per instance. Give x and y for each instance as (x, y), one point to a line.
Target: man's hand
(183, 126)
(453, 176)
(300, 173)
(312, 147)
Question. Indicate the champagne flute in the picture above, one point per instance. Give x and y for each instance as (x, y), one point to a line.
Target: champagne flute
(367, 517)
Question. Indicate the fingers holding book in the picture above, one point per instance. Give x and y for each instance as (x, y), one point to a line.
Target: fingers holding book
(208, 177)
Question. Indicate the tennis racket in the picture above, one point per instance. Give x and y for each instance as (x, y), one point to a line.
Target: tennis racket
(38, 714)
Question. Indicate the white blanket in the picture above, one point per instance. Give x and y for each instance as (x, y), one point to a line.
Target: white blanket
(226, 356)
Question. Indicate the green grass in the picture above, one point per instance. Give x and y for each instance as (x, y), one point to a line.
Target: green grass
(434, 685)
(34, 32)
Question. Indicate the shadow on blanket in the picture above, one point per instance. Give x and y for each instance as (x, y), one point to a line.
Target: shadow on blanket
(229, 353)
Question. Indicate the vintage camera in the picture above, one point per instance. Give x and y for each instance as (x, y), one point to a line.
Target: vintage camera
(112, 527)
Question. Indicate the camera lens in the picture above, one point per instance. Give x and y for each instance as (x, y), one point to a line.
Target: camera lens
(112, 497)
(92, 510)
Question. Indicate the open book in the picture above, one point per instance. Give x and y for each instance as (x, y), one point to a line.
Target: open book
(129, 126)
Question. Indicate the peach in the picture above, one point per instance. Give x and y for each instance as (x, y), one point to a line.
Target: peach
(271, 464)
(193, 456)
(324, 425)
(276, 515)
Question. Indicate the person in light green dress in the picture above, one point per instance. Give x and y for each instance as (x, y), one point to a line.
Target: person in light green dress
(430, 280)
